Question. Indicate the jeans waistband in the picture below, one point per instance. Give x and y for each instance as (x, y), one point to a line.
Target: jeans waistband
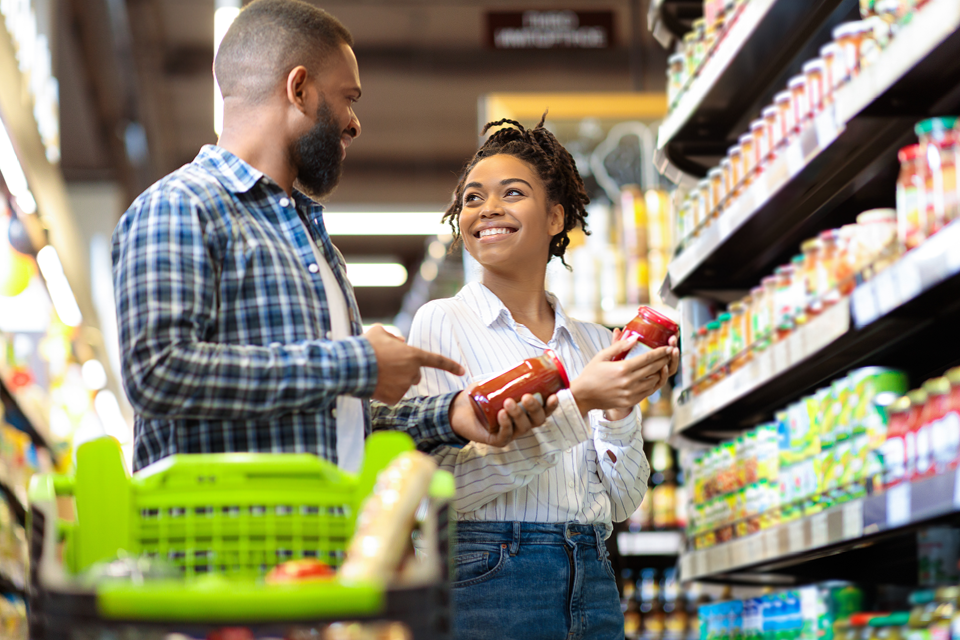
(519, 533)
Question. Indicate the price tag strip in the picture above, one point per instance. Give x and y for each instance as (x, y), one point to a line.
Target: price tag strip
(898, 505)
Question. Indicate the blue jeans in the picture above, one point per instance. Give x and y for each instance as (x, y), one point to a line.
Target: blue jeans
(531, 581)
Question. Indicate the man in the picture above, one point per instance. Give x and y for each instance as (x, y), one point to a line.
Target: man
(238, 328)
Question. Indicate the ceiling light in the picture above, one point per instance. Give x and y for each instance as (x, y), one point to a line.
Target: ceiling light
(384, 223)
(13, 174)
(223, 17)
(429, 270)
(376, 274)
(60, 292)
(93, 374)
(437, 250)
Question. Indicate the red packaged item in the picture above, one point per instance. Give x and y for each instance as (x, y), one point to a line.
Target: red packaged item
(948, 443)
(933, 439)
(652, 329)
(894, 448)
(303, 570)
(918, 398)
(541, 376)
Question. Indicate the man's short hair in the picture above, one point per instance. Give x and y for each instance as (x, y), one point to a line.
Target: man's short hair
(268, 39)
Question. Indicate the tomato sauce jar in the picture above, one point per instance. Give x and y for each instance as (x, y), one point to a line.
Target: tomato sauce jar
(540, 376)
(652, 329)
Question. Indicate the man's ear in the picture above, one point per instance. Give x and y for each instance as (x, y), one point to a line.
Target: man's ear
(296, 88)
(555, 221)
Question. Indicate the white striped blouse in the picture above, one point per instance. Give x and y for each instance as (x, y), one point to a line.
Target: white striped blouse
(560, 472)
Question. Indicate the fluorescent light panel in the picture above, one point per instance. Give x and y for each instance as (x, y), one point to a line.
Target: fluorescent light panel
(385, 223)
(376, 274)
(13, 174)
(60, 292)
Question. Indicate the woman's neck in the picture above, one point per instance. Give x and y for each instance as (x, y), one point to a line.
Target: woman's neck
(525, 297)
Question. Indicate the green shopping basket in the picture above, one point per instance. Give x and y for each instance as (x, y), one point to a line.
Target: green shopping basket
(223, 520)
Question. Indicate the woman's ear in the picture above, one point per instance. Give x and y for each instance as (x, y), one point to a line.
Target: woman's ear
(555, 219)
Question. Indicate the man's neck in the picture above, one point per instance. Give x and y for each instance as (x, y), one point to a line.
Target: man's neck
(253, 138)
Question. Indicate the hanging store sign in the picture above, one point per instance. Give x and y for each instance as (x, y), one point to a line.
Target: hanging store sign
(550, 29)
(29, 24)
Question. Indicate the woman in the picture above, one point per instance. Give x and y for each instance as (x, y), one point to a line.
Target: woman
(533, 516)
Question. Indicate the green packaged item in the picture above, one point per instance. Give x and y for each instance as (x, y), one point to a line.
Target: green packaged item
(819, 406)
(935, 128)
(875, 388)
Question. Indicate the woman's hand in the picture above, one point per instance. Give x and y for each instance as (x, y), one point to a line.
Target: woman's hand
(616, 387)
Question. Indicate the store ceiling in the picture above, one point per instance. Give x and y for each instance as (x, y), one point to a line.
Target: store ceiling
(137, 96)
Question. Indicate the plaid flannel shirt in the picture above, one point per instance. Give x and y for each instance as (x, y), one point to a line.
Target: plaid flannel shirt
(224, 322)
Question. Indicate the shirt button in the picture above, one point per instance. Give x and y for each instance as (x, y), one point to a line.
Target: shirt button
(570, 484)
(333, 412)
(313, 268)
(284, 202)
(329, 335)
(275, 344)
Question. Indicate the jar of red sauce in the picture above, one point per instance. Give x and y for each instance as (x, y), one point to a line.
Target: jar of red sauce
(930, 440)
(652, 330)
(541, 376)
(950, 423)
(894, 448)
(918, 398)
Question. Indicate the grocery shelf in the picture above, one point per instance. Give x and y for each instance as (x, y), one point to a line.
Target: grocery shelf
(650, 543)
(863, 527)
(756, 55)
(669, 20)
(25, 418)
(842, 163)
(889, 320)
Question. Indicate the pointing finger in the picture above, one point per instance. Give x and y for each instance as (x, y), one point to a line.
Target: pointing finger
(437, 361)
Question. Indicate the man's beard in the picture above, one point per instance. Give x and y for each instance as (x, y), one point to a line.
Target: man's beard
(319, 156)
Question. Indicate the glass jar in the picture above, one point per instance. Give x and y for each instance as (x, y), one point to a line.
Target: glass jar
(688, 358)
(941, 182)
(756, 317)
(541, 376)
(811, 258)
(726, 170)
(814, 72)
(723, 343)
(771, 118)
(911, 231)
(735, 154)
(798, 294)
(685, 220)
(707, 205)
(783, 101)
(714, 351)
(846, 242)
(761, 143)
(875, 245)
(918, 399)
(652, 330)
(738, 334)
(703, 357)
(894, 448)
(748, 157)
(850, 36)
(951, 424)
(676, 77)
(768, 309)
(717, 190)
(827, 268)
(690, 53)
(834, 69)
(799, 100)
(783, 305)
(929, 435)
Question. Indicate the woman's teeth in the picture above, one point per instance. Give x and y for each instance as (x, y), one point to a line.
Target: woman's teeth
(496, 231)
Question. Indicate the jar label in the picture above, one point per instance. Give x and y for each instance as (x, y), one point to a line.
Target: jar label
(638, 350)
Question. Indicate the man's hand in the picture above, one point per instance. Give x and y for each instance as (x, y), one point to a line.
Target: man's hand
(398, 364)
(514, 419)
(617, 387)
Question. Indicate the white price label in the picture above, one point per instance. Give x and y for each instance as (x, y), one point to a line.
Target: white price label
(864, 304)
(770, 547)
(956, 490)
(781, 359)
(795, 532)
(898, 505)
(853, 519)
(887, 292)
(908, 281)
(826, 129)
(795, 160)
(818, 530)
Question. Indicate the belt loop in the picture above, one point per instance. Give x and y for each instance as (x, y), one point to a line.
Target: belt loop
(515, 544)
(600, 531)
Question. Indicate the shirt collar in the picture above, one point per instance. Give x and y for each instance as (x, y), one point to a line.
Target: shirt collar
(490, 308)
(236, 174)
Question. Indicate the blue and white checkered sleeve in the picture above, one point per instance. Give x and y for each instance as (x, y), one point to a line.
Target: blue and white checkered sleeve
(166, 288)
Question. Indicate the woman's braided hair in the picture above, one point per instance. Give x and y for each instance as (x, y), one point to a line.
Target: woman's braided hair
(541, 150)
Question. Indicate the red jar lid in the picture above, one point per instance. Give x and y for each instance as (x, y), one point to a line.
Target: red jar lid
(560, 368)
(909, 153)
(658, 318)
